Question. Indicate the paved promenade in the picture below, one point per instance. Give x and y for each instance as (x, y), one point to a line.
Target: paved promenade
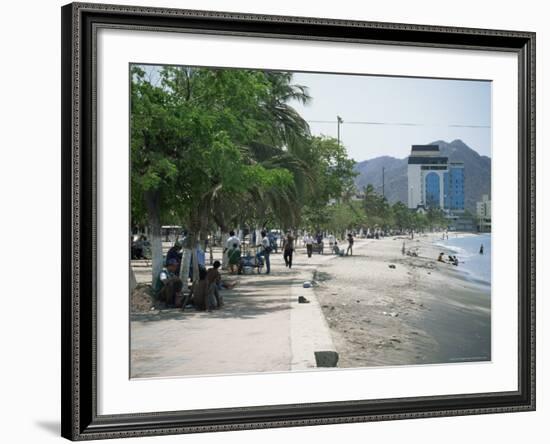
(261, 328)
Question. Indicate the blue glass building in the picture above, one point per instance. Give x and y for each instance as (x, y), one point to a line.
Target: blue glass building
(453, 192)
(432, 190)
(433, 181)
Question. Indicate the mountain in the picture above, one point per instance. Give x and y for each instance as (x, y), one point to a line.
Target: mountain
(477, 173)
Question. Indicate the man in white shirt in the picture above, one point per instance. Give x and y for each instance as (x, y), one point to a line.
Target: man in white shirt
(308, 240)
(228, 245)
(265, 251)
(232, 240)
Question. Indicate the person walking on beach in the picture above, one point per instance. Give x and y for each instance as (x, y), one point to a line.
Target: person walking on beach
(265, 251)
(350, 245)
(288, 249)
(308, 240)
(481, 249)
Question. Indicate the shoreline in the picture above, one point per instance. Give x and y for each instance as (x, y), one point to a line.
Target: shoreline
(470, 274)
(419, 312)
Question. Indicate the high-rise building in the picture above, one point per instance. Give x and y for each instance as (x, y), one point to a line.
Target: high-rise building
(433, 181)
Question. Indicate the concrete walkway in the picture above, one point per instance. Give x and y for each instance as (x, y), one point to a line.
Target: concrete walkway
(262, 328)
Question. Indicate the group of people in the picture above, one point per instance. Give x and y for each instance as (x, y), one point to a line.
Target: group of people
(451, 259)
(340, 251)
(262, 257)
(236, 262)
(204, 294)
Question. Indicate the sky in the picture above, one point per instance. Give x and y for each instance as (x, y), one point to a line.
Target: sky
(399, 112)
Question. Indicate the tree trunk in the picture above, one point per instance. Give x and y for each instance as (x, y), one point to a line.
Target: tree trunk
(210, 249)
(186, 258)
(185, 264)
(195, 264)
(225, 261)
(133, 281)
(152, 202)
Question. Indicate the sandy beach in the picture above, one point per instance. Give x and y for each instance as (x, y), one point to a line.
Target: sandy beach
(375, 308)
(422, 311)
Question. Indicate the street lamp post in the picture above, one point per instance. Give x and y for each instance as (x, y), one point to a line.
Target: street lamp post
(339, 120)
(383, 184)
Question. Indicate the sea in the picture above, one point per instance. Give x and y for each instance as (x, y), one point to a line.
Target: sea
(476, 266)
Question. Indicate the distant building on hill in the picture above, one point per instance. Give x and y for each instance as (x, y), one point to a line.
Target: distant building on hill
(433, 181)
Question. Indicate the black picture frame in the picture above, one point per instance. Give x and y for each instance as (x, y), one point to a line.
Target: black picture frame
(80, 420)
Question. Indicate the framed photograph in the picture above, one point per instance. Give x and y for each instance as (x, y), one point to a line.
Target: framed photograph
(278, 221)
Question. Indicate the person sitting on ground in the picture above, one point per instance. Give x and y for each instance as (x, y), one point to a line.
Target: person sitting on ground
(213, 278)
(168, 286)
(336, 249)
(199, 291)
(440, 258)
(175, 253)
(234, 257)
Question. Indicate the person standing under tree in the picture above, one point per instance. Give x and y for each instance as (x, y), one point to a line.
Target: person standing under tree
(350, 245)
(308, 240)
(288, 249)
(232, 239)
(265, 251)
(234, 258)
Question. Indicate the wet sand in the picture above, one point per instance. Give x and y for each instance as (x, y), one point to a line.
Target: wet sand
(420, 312)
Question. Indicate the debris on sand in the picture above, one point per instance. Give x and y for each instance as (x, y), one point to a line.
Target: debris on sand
(393, 314)
(307, 284)
(142, 300)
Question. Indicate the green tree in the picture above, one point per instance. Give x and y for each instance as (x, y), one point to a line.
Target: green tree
(332, 173)
(377, 208)
(195, 138)
(402, 216)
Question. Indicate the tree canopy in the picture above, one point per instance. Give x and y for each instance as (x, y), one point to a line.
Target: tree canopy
(221, 148)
